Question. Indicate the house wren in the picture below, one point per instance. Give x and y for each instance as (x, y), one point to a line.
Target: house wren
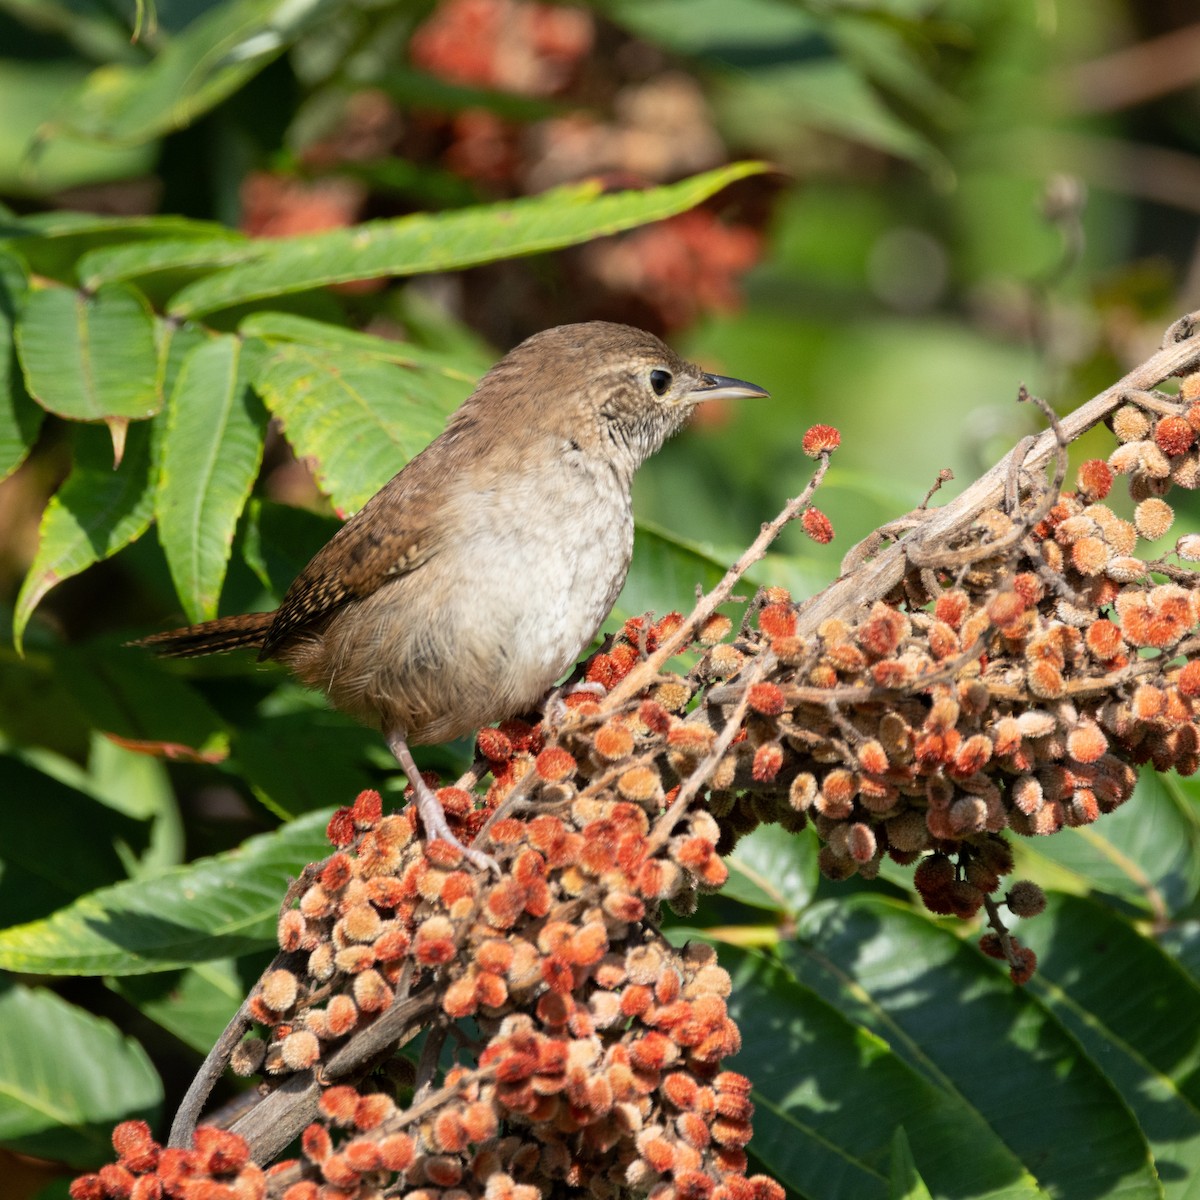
(471, 581)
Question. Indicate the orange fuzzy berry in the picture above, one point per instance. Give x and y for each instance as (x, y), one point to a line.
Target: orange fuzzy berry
(367, 808)
(340, 830)
(555, 764)
(337, 872)
(315, 1143)
(714, 630)
(766, 698)
(300, 1050)
(613, 742)
(768, 758)
(1174, 435)
(777, 620)
(1188, 680)
(1103, 639)
(1095, 479)
(820, 439)
(494, 745)
(639, 784)
(817, 525)
(1006, 607)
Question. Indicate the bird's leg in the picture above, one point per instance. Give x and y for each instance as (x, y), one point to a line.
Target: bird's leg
(429, 808)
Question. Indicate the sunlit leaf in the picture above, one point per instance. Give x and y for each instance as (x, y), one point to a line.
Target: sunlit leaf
(215, 907)
(425, 242)
(196, 69)
(90, 357)
(20, 418)
(66, 1077)
(358, 418)
(96, 512)
(212, 447)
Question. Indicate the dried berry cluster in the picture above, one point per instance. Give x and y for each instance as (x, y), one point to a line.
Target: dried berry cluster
(216, 1167)
(1011, 682)
(634, 121)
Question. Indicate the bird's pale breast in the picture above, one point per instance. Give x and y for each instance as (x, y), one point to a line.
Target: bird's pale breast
(480, 635)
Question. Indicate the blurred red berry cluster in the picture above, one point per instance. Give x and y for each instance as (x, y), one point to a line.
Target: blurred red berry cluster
(599, 104)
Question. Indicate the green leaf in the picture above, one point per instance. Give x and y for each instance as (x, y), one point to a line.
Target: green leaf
(215, 907)
(42, 869)
(359, 418)
(773, 869)
(20, 418)
(195, 1004)
(195, 70)
(907, 1184)
(96, 512)
(90, 357)
(986, 1044)
(55, 243)
(458, 366)
(279, 540)
(212, 448)
(1136, 1013)
(1147, 853)
(665, 573)
(135, 703)
(334, 761)
(447, 241)
(829, 1093)
(130, 260)
(30, 91)
(66, 1078)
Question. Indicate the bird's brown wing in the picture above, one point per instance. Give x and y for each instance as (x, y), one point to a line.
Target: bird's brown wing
(367, 552)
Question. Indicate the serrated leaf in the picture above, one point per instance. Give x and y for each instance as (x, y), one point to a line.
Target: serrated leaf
(90, 357)
(66, 1077)
(196, 69)
(212, 448)
(215, 907)
(131, 260)
(360, 419)
(987, 1045)
(287, 327)
(447, 241)
(20, 417)
(54, 243)
(828, 1094)
(96, 512)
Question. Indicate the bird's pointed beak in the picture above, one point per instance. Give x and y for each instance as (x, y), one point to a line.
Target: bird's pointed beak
(721, 387)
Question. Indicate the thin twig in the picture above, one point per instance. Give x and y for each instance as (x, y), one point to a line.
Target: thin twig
(877, 577)
(642, 675)
(699, 776)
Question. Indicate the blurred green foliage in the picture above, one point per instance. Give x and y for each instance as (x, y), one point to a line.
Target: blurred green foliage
(969, 195)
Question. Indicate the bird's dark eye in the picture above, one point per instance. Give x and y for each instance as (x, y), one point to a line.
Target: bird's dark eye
(660, 381)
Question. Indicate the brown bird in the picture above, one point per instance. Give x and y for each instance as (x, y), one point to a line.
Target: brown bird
(472, 580)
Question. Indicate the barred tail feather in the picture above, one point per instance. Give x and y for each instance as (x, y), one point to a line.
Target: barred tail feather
(210, 637)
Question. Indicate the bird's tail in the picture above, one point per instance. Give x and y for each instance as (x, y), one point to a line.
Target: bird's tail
(210, 637)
